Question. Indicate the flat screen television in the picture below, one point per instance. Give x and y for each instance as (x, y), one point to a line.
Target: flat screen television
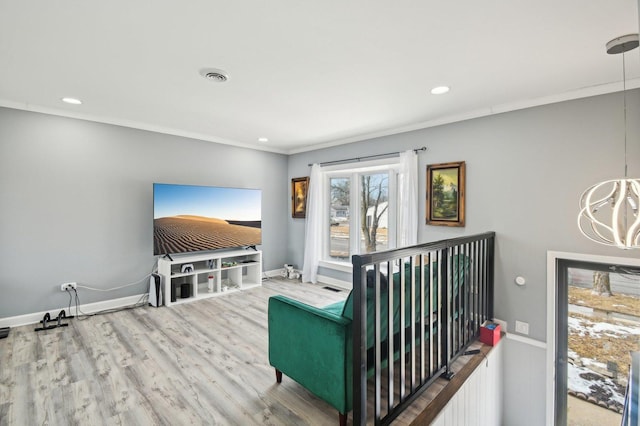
(189, 218)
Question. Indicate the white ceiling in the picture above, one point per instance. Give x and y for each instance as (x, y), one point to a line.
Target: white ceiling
(306, 74)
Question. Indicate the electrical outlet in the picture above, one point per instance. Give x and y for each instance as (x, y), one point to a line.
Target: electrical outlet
(522, 327)
(68, 286)
(503, 324)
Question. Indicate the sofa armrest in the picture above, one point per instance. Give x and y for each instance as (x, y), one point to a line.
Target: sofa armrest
(312, 347)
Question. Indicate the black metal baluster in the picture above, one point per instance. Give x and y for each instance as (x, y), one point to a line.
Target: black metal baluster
(377, 344)
(359, 352)
(390, 332)
(403, 326)
(490, 275)
(423, 312)
(412, 325)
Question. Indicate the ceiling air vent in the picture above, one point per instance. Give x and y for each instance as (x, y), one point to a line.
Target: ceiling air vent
(214, 75)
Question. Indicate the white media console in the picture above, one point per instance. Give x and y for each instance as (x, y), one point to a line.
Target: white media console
(185, 278)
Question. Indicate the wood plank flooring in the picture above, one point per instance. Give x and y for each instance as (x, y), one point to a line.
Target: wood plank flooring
(197, 363)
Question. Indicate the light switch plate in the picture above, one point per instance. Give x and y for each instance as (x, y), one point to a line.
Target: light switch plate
(522, 327)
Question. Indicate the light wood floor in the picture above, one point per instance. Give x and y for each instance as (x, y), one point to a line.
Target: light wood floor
(198, 363)
(204, 362)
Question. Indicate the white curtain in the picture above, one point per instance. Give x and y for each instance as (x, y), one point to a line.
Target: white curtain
(313, 227)
(408, 199)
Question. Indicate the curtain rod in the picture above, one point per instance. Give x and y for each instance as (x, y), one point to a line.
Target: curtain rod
(367, 157)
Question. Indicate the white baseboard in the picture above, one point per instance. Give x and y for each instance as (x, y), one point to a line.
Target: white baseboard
(88, 308)
(347, 285)
(273, 273)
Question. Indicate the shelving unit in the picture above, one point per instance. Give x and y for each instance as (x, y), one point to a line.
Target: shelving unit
(186, 277)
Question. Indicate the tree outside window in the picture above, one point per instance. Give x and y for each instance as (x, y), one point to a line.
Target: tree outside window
(374, 205)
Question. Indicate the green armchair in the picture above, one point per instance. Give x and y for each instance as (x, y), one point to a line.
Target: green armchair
(313, 346)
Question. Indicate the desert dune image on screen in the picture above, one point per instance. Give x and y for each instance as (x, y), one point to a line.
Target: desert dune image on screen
(194, 218)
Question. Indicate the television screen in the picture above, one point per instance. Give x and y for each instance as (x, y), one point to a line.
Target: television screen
(189, 218)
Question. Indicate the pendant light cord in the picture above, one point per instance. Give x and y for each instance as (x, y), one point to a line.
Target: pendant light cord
(624, 96)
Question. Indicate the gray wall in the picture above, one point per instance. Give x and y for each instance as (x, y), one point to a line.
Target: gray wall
(525, 172)
(76, 203)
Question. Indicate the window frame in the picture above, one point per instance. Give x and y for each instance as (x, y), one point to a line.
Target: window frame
(354, 172)
(557, 264)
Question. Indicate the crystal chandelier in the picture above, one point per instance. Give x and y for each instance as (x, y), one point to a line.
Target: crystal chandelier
(609, 209)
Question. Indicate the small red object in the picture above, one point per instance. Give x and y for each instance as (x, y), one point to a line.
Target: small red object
(490, 333)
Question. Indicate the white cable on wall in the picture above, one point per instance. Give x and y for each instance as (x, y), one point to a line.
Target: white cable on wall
(155, 268)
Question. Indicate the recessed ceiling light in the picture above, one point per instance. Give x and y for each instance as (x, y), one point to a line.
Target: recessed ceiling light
(72, 101)
(214, 75)
(440, 90)
(263, 139)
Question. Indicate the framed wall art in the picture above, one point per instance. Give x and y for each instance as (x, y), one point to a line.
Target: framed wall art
(445, 194)
(299, 187)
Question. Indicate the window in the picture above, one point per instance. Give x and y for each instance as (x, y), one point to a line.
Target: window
(597, 306)
(361, 207)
